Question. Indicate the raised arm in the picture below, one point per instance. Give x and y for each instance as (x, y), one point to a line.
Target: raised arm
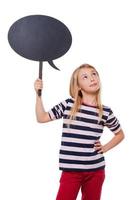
(41, 115)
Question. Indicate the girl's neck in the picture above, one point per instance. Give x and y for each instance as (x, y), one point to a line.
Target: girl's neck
(89, 100)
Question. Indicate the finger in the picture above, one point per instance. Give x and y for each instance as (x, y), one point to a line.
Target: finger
(101, 151)
(97, 145)
(39, 84)
(98, 148)
(97, 142)
(38, 81)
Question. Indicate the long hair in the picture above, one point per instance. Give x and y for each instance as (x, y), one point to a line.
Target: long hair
(76, 93)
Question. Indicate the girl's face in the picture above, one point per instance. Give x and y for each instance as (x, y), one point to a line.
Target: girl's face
(88, 80)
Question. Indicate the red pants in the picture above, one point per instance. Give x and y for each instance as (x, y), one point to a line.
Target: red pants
(89, 182)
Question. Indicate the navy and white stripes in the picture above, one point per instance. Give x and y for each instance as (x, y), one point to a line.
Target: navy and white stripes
(77, 151)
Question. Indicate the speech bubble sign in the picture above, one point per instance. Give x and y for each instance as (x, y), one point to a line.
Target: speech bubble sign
(40, 38)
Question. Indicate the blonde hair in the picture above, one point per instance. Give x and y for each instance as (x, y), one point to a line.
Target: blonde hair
(76, 93)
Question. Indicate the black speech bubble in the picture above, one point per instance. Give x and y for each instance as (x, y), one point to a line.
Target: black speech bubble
(40, 38)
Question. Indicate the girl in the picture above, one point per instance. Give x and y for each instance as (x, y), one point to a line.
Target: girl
(81, 156)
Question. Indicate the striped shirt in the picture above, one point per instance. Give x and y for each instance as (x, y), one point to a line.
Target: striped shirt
(77, 152)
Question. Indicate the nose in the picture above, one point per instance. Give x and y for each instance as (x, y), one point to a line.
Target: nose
(91, 78)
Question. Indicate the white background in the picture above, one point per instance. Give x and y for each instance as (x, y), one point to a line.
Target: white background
(102, 36)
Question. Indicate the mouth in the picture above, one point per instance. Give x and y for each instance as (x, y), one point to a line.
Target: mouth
(94, 84)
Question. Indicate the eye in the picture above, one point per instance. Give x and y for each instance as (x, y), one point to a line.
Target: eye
(85, 77)
(94, 73)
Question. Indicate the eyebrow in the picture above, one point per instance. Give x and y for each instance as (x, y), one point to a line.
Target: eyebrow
(94, 71)
(85, 73)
